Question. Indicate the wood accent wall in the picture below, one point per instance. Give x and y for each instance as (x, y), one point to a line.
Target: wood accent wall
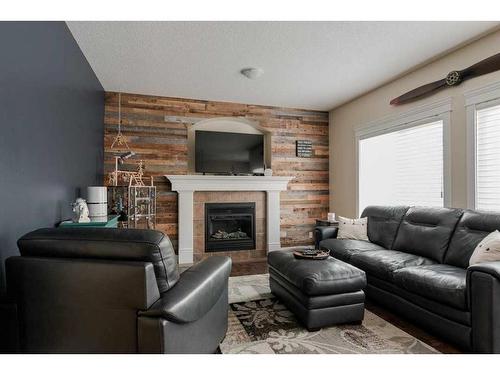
(162, 143)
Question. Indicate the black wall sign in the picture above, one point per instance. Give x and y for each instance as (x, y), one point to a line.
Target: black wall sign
(304, 149)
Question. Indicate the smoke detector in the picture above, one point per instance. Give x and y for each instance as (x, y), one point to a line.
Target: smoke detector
(252, 73)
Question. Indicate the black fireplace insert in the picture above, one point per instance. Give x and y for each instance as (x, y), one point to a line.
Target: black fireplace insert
(229, 226)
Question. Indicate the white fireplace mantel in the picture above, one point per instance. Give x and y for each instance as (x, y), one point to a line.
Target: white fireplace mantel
(186, 185)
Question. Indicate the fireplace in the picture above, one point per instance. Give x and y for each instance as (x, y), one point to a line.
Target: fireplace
(229, 226)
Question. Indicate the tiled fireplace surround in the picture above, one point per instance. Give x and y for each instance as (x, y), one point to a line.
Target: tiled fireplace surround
(202, 197)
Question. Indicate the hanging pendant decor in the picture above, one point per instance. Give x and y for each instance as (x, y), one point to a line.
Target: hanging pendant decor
(454, 78)
(121, 146)
(119, 139)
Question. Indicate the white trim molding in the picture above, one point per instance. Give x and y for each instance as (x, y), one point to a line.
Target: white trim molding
(435, 111)
(186, 185)
(403, 120)
(482, 94)
(198, 182)
(483, 97)
(226, 125)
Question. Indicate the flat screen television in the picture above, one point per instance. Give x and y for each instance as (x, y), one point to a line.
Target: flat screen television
(229, 153)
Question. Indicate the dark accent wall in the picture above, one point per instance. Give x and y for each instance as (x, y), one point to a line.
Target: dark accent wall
(51, 128)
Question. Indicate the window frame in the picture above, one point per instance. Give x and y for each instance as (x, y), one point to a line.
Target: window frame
(420, 115)
(476, 100)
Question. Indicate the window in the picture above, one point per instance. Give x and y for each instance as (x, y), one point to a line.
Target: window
(487, 158)
(402, 167)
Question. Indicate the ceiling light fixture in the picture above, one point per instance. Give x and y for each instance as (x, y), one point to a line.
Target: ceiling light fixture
(252, 73)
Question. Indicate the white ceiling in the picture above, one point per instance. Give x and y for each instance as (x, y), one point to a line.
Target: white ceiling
(313, 65)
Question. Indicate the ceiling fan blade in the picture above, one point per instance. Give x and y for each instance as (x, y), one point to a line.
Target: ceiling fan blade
(419, 92)
(489, 65)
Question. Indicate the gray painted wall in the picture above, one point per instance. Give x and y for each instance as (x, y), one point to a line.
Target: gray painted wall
(51, 128)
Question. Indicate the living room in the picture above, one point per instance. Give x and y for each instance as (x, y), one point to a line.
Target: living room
(209, 184)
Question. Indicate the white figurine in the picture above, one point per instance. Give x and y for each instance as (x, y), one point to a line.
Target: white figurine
(81, 211)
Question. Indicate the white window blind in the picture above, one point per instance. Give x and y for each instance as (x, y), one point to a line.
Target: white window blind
(404, 167)
(488, 158)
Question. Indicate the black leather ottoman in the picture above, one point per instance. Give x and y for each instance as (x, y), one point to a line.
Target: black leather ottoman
(319, 292)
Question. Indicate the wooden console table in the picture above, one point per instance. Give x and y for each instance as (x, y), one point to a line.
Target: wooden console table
(326, 223)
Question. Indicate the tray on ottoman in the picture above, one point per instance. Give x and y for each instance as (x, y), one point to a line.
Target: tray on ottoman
(319, 293)
(311, 254)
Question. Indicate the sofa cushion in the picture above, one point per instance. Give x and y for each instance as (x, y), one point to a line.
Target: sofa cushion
(440, 282)
(107, 244)
(488, 249)
(315, 278)
(426, 231)
(382, 263)
(472, 228)
(344, 249)
(383, 223)
(352, 229)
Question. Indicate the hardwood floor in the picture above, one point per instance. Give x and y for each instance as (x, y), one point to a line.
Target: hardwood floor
(250, 267)
(259, 266)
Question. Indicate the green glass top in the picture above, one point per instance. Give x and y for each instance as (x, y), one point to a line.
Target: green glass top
(111, 221)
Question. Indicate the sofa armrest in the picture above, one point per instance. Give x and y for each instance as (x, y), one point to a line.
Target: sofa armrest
(323, 233)
(483, 290)
(196, 292)
(491, 268)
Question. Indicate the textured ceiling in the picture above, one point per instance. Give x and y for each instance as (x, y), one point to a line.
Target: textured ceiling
(313, 65)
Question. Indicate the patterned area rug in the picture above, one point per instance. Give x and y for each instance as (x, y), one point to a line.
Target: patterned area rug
(249, 288)
(260, 324)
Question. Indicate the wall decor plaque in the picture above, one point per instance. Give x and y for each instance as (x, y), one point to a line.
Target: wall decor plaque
(304, 149)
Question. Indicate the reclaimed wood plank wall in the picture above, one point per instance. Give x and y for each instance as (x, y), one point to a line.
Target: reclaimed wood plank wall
(156, 129)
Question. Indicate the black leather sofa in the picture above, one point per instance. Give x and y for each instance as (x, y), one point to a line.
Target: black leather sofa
(115, 291)
(417, 265)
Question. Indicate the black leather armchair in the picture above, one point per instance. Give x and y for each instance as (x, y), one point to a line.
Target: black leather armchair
(115, 291)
